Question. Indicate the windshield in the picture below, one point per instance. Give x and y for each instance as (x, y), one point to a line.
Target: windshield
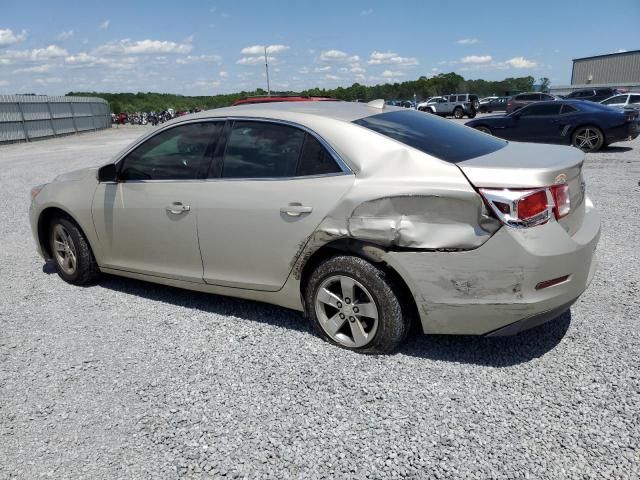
(444, 139)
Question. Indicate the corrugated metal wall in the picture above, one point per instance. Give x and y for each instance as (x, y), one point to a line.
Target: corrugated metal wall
(618, 68)
(23, 117)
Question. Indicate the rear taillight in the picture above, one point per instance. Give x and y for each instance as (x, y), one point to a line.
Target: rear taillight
(522, 208)
(561, 200)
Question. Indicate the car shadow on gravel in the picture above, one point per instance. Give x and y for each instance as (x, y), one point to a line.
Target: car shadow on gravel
(207, 302)
(495, 352)
(615, 149)
(490, 351)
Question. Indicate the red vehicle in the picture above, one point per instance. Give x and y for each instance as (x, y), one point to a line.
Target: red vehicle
(282, 98)
(122, 118)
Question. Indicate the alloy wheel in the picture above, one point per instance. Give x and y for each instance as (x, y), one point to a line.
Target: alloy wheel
(587, 139)
(64, 250)
(346, 311)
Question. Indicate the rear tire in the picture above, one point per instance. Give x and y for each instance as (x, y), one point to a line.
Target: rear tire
(335, 299)
(588, 138)
(458, 113)
(71, 253)
(471, 115)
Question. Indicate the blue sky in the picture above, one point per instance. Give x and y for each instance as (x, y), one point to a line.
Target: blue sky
(209, 47)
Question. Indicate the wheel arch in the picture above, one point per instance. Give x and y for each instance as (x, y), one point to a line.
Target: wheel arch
(44, 222)
(367, 251)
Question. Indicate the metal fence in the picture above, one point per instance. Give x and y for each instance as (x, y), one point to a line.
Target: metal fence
(26, 117)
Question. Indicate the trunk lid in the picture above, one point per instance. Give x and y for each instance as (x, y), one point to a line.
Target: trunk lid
(530, 165)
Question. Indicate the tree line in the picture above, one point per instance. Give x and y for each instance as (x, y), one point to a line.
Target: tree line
(422, 88)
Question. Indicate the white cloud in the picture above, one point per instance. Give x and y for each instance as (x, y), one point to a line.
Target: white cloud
(256, 60)
(37, 69)
(198, 58)
(80, 58)
(520, 62)
(259, 49)
(4, 83)
(104, 25)
(476, 59)
(322, 69)
(467, 41)
(332, 77)
(52, 51)
(7, 37)
(223, 74)
(206, 84)
(142, 47)
(621, 50)
(390, 58)
(65, 35)
(48, 80)
(337, 56)
(367, 12)
(392, 74)
(355, 68)
(303, 70)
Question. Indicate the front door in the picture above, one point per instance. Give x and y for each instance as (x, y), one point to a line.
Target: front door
(146, 222)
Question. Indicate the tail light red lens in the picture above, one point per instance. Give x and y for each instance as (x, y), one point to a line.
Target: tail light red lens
(561, 200)
(532, 205)
(522, 208)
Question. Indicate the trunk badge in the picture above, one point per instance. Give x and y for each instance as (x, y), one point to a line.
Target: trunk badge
(562, 178)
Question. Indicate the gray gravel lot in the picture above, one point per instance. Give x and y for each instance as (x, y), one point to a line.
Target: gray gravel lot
(126, 379)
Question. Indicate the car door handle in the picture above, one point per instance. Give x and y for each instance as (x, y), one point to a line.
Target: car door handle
(295, 209)
(177, 208)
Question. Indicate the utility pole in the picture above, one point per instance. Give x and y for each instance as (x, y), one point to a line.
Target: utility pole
(266, 67)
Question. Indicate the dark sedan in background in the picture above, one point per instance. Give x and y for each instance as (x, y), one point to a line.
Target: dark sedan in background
(585, 125)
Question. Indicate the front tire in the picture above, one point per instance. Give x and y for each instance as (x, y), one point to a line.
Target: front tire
(71, 253)
(588, 138)
(483, 129)
(353, 304)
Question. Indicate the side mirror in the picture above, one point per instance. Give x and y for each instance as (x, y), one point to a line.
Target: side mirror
(108, 173)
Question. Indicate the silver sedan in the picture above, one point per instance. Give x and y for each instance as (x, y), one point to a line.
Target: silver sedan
(363, 216)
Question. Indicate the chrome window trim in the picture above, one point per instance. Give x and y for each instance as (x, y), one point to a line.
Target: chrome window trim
(344, 167)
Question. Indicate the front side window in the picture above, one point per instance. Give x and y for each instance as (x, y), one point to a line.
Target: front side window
(540, 109)
(435, 136)
(620, 99)
(179, 153)
(262, 150)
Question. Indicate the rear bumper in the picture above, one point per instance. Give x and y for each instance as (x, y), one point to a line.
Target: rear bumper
(482, 291)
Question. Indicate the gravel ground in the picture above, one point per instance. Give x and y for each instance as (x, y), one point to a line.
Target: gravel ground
(126, 379)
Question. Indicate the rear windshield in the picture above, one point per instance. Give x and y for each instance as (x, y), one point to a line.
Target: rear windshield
(444, 139)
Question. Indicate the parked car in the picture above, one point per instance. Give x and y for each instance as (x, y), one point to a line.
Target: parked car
(281, 98)
(623, 101)
(585, 125)
(498, 104)
(592, 94)
(522, 99)
(428, 103)
(487, 99)
(457, 105)
(363, 216)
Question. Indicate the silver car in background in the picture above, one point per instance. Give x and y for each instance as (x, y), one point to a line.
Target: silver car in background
(623, 101)
(364, 217)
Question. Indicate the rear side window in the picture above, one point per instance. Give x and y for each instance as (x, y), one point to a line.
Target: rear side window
(315, 160)
(526, 98)
(634, 99)
(537, 109)
(620, 99)
(262, 150)
(435, 136)
(568, 109)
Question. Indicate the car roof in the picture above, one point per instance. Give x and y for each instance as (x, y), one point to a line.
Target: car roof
(292, 111)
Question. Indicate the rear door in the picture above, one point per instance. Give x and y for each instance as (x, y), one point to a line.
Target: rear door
(269, 189)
